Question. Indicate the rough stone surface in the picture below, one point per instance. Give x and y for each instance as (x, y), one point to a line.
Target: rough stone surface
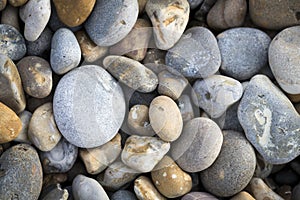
(25, 117)
(270, 121)
(42, 45)
(10, 16)
(261, 191)
(145, 190)
(198, 196)
(123, 195)
(97, 104)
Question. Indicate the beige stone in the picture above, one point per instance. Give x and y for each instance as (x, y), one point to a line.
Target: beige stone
(145, 190)
(242, 196)
(17, 3)
(261, 191)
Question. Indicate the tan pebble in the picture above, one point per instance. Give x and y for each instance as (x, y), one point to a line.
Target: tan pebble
(53, 179)
(17, 3)
(145, 190)
(242, 196)
(295, 98)
(261, 191)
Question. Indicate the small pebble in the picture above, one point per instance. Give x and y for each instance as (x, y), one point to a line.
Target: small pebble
(186, 108)
(3, 4)
(145, 190)
(261, 191)
(242, 196)
(10, 16)
(57, 193)
(42, 45)
(123, 195)
(155, 60)
(25, 117)
(198, 196)
(17, 3)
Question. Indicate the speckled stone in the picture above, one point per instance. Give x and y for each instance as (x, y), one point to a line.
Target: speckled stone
(36, 76)
(123, 195)
(3, 4)
(198, 146)
(169, 20)
(21, 173)
(252, 54)
(145, 190)
(111, 21)
(65, 51)
(12, 42)
(132, 73)
(35, 15)
(234, 167)
(42, 45)
(87, 188)
(17, 3)
(57, 193)
(261, 191)
(270, 121)
(142, 153)
(284, 59)
(25, 117)
(10, 16)
(216, 93)
(242, 196)
(186, 108)
(60, 159)
(11, 93)
(196, 54)
(97, 104)
(198, 196)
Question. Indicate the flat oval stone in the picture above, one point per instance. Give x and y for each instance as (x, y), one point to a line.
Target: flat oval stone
(234, 167)
(145, 190)
(35, 15)
(196, 54)
(25, 117)
(169, 20)
(42, 45)
(198, 196)
(252, 54)
(111, 21)
(270, 121)
(123, 195)
(12, 42)
(132, 73)
(74, 12)
(36, 76)
(97, 104)
(216, 93)
(11, 93)
(21, 173)
(284, 60)
(65, 51)
(165, 118)
(10, 124)
(17, 3)
(198, 146)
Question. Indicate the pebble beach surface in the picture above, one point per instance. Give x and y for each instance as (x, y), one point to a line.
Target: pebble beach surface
(149, 99)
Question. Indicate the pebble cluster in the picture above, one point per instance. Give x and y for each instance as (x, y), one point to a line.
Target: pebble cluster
(149, 99)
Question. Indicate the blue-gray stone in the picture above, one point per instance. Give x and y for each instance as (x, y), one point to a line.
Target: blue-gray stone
(123, 195)
(41, 46)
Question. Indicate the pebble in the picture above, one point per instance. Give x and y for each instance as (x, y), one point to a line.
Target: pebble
(42, 45)
(74, 13)
(198, 196)
(25, 117)
(270, 121)
(227, 14)
(123, 195)
(169, 20)
(145, 190)
(65, 51)
(36, 76)
(131, 73)
(186, 108)
(21, 173)
(35, 15)
(283, 59)
(170, 180)
(141, 98)
(87, 188)
(42, 130)
(234, 167)
(98, 100)
(286, 177)
(165, 118)
(216, 93)
(11, 93)
(12, 42)
(3, 4)
(198, 146)
(205, 7)
(196, 54)
(97, 159)
(10, 124)
(10, 16)
(60, 159)
(296, 192)
(252, 54)
(263, 169)
(116, 176)
(194, 3)
(90, 51)
(138, 121)
(57, 193)
(135, 44)
(142, 153)
(242, 196)
(274, 15)
(17, 3)
(261, 191)
(111, 21)
(155, 60)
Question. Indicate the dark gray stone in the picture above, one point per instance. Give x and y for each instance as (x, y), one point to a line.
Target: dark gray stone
(286, 177)
(123, 195)
(194, 3)
(56, 194)
(296, 192)
(41, 46)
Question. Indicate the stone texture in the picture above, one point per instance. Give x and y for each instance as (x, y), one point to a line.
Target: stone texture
(155, 60)
(42, 45)
(196, 54)
(270, 121)
(194, 3)
(3, 4)
(21, 173)
(261, 191)
(198, 146)
(186, 108)
(25, 117)
(57, 193)
(11, 93)
(242, 196)
(198, 196)
(169, 20)
(97, 104)
(10, 16)
(145, 190)
(17, 3)
(234, 167)
(111, 21)
(142, 5)
(123, 195)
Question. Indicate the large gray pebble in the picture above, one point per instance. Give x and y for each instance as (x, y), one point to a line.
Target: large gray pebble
(12, 42)
(111, 21)
(65, 51)
(89, 106)
(244, 51)
(196, 54)
(42, 45)
(270, 121)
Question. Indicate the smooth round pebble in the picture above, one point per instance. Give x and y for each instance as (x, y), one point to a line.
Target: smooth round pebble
(252, 53)
(234, 167)
(42, 45)
(111, 21)
(25, 117)
(17, 3)
(21, 173)
(198, 146)
(261, 190)
(145, 190)
(198, 196)
(97, 104)
(123, 195)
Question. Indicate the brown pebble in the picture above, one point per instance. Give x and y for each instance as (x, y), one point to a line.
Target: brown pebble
(261, 191)
(2, 4)
(10, 16)
(142, 4)
(17, 3)
(295, 98)
(145, 190)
